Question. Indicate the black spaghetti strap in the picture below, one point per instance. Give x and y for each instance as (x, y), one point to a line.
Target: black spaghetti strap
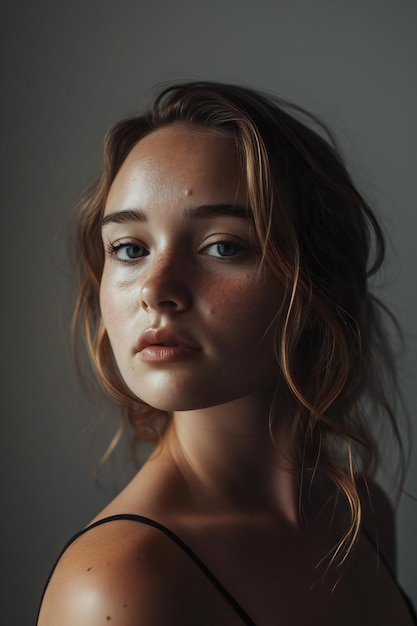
(150, 522)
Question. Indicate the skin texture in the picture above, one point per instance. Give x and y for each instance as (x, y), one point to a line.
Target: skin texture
(184, 282)
(216, 478)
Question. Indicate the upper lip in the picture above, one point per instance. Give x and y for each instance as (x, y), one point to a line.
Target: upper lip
(161, 336)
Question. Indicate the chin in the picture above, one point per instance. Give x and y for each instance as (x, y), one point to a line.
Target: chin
(172, 404)
(199, 399)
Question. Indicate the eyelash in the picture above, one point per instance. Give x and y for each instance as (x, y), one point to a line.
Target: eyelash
(114, 248)
(239, 247)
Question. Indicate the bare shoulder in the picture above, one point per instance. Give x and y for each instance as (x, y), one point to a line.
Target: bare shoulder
(120, 573)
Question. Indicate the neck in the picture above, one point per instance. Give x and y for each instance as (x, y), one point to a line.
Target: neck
(230, 460)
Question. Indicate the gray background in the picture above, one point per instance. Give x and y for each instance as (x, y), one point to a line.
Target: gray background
(73, 68)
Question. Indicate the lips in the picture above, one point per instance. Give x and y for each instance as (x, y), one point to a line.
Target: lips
(164, 338)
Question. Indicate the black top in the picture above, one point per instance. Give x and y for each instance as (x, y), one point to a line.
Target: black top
(215, 581)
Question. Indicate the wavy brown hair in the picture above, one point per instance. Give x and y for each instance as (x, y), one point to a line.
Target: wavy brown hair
(323, 242)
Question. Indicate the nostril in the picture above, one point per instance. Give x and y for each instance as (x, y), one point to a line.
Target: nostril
(164, 295)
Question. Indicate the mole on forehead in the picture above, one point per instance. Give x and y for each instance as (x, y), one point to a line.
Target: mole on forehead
(188, 192)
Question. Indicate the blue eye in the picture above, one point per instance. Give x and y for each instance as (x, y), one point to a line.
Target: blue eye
(223, 249)
(126, 252)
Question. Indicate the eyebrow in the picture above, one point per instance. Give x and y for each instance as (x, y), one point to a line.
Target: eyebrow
(200, 212)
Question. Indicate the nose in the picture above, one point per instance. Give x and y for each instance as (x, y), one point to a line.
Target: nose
(166, 286)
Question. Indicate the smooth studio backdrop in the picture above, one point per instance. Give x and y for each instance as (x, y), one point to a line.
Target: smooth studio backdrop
(70, 69)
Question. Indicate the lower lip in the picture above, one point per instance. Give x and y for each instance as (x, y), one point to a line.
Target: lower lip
(166, 354)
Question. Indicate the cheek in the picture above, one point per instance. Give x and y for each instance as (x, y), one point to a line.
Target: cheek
(107, 308)
(113, 305)
(243, 303)
(223, 297)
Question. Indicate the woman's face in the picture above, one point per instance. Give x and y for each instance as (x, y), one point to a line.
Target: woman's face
(189, 316)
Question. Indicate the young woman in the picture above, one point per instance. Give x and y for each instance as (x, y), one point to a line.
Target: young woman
(224, 263)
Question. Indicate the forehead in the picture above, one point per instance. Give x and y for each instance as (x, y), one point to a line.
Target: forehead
(182, 141)
(179, 159)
